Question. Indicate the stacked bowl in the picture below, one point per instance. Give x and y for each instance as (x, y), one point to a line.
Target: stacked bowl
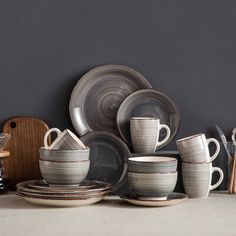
(197, 167)
(152, 177)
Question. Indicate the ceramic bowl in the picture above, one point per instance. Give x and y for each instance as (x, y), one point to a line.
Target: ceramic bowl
(67, 173)
(154, 186)
(152, 164)
(64, 155)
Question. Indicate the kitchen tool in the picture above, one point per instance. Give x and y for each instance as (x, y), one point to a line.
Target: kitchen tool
(108, 158)
(4, 138)
(172, 199)
(223, 139)
(3, 183)
(65, 140)
(233, 136)
(145, 132)
(195, 148)
(232, 167)
(148, 103)
(98, 94)
(26, 138)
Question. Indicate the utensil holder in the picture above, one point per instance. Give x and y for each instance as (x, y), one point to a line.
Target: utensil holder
(3, 180)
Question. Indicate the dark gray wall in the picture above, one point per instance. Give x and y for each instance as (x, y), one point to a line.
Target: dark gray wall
(186, 49)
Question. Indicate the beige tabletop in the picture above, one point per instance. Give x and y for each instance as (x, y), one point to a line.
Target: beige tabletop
(215, 215)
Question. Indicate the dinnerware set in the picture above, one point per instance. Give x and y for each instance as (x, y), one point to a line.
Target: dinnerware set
(152, 177)
(197, 167)
(64, 166)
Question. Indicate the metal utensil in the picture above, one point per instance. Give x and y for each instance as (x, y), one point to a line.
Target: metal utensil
(233, 136)
(4, 137)
(223, 139)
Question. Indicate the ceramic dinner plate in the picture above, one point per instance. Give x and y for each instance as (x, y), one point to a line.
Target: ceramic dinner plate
(108, 158)
(62, 202)
(148, 103)
(173, 199)
(98, 94)
(87, 187)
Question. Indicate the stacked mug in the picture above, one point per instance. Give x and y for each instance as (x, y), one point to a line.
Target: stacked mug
(197, 166)
(150, 177)
(65, 161)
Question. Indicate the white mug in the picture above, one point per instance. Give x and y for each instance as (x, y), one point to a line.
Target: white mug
(197, 179)
(194, 149)
(65, 140)
(145, 132)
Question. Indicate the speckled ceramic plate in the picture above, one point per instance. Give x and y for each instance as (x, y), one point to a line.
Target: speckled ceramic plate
(173, 199)
(42, 188)
(62, 202)
(108, 158)
(148, 103)
(98, 94)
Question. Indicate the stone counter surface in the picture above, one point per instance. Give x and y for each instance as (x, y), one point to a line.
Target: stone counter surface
(215, 215)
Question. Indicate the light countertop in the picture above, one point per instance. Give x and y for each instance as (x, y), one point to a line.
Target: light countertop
(215, 215)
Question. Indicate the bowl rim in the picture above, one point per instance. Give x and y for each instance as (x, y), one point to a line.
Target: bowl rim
(153, 174)
(60, 162)
(153, 159)
(42, 149)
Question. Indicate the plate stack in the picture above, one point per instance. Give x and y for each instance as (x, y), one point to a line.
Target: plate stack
(39, 192)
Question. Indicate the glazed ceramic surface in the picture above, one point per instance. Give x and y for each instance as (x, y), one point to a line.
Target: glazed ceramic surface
(145, 133)
(98, 94)
(109, 156)
(64, 172)
(65, 140)
(152, 164)
(194, 149)
(62, 202)
(197, 178)
(148, 103)
(172, 199)
(157, 186)
(64, 155)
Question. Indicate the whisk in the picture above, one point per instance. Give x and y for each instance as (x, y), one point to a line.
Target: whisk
(4, 137)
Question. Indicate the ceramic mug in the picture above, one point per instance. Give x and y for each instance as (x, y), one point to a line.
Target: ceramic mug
(65, 140)
(145, 132)
(197, 179)
(194, 149)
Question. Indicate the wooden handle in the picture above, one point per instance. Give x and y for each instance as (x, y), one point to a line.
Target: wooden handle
(232, 177)
(4, 154)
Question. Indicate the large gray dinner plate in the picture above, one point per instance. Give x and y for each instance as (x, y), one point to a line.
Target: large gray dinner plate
(108, 158)
(98, 94)
(148, 103)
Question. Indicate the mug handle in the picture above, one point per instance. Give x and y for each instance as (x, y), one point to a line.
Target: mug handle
(162, 126)
(45, 140)
(217, 169)
(213, 140)
(233, 136)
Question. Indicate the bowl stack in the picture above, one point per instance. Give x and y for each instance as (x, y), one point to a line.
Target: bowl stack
(152, 177)
(64, 173)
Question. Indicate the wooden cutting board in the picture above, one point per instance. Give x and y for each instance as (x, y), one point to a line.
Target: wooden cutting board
(26, 138)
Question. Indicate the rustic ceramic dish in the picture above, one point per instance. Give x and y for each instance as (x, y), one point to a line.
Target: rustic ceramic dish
(172, 199)
(98, 94)
(64, 172)
(148, 103)
(152, 164)
(108, 158)
(63, 155)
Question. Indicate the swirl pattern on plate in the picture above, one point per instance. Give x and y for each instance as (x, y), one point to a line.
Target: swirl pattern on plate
(97, 96)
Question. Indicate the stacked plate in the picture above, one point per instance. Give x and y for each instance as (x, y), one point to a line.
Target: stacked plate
(39, 192)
